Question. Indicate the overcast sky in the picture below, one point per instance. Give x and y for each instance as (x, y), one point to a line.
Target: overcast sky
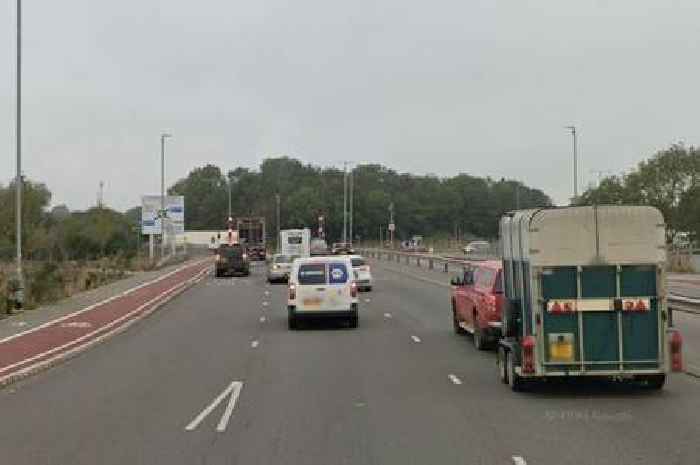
(426, 87)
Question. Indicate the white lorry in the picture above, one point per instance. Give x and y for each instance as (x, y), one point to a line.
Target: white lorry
(295, 242)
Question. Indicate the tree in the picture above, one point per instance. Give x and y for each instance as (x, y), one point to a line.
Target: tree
(662, 181)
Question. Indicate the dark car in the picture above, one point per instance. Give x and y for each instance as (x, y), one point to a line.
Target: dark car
(342, 248)
(231, 260)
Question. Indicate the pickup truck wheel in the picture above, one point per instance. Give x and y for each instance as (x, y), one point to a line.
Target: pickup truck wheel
(479, 339)
(654, 382)
(517, 384)
(455, 323)
(502, 368)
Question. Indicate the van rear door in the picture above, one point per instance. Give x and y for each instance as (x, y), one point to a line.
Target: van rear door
(324, 287)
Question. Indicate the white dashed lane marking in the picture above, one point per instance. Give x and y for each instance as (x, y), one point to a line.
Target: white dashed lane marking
(262, 319)
(518, 460)
(415, 338)
(454, 379)
(266, 303)
(254, 344)
(387, 315)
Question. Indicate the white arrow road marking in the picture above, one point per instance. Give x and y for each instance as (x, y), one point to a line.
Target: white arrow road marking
(387, 315)
(254, 344)
(415, 338)
(518, 460)
(234, 389)
(454, 379)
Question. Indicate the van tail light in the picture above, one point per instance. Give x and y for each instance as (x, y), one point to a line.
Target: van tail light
(292, 292)
(353, 289)
(218, 257)
(528, 354)
(676, 345)
(245, 256)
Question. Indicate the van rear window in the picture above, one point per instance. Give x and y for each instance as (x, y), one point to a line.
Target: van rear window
(357, 262)
(314, 273)
(294, 240)
(338, 273)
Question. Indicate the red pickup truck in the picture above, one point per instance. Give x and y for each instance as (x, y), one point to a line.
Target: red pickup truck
(477, 298)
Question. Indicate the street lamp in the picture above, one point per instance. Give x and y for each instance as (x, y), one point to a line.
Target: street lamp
(163, 136)
(573, 134)
(18, 297)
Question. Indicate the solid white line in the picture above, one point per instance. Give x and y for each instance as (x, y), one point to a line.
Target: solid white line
(102, 302)
(100, 329)
(237, 386)
(203, 414)
(518, 460)
(454, 379)
(387, 315)
(254, 344)
(262, 319)
(415, 338)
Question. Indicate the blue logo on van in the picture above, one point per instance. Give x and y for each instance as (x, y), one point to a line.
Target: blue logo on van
(337, 273)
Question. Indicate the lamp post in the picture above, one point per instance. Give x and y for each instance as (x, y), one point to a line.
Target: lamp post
(18, 285)
(162, 194)
(573, 134)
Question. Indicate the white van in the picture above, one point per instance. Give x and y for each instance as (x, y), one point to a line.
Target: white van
(322, 287)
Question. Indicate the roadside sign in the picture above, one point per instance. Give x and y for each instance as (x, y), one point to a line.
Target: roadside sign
(152, 214)
(392, 227)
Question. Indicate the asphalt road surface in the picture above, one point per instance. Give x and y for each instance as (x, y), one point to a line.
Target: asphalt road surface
(215, 377)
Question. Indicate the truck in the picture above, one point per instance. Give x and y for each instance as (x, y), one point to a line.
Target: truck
(585, 297)
(295, 242)
(251, 233)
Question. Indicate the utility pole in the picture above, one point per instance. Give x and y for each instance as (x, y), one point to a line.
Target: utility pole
(517, 195)
(277, 201)
(100, 196)
(352, 200)
(392, 225)
(573, 134)
(345, 201)
(228, 183)
(162, 194)
(19, 297)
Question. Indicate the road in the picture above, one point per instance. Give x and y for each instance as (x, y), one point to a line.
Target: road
(401, 389)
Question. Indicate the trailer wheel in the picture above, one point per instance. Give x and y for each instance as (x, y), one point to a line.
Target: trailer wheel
(517, 384)
(654, 382)
(502, 367)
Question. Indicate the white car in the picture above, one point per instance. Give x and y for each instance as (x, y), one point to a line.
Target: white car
(279, 267)
(363, 275)
(477, 247)
(322, 287)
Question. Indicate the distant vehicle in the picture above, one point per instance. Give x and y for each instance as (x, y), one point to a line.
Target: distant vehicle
(279, 267)
(477, 248)
(585, 296)
(415, 244)
(231, 260)
(363, 275)
(342, 248)
(319, 247)
(251, 233)
(322, 287)
(477, 298)
(295, 242)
